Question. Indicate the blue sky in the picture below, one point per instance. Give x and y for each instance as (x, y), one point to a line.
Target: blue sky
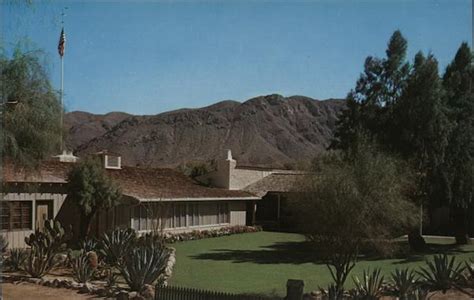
(146, 57)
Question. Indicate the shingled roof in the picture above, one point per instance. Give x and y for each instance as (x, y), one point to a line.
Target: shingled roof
(276, 182)
(146, 184)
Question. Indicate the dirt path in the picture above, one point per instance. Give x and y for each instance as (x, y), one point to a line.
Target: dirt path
(27, 291)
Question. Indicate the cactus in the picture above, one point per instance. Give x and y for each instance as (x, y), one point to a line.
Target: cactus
(144, 265)
(81, 268)
(114, 246)
(93, 259)
(44, 246)
(16, 259)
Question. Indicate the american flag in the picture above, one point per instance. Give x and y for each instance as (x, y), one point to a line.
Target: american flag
(62, 43)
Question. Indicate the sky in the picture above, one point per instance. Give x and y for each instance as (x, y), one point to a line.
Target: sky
(146, 57)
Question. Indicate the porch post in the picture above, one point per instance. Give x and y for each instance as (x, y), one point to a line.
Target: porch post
(254, 212)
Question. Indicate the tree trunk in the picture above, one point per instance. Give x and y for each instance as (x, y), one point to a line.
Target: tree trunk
(86, 221)
(460, 223)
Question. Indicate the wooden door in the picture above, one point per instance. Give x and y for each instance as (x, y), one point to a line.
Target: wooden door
(44, 211)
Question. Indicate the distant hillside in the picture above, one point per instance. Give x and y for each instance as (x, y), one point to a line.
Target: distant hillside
(83, 126)
(263, 131)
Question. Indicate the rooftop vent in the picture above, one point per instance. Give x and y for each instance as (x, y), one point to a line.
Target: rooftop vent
(110, 160)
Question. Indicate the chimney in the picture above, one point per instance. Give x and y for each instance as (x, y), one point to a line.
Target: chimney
(225, 168)
(66, 156)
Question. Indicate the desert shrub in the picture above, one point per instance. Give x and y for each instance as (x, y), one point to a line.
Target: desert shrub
(81, 268)
(404, 282)
(442, 273)
(115, 245)
(371, 285)
(16, 258)
(353, 201)
(145, 264)
(45, 245)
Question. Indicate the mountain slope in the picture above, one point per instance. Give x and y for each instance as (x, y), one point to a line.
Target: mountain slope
(263, 131)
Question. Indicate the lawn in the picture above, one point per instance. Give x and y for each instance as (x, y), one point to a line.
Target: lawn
(262, 262)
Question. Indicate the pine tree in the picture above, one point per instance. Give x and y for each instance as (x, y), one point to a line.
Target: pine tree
(458, 82)
(421, 128)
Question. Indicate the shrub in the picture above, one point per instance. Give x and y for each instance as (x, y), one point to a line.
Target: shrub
(202, 234)
(114, 246)
(370, 288)
(145, 264)
(404, 282)
(81, 268)
(44, 247)
(442, 273)
(16, 259)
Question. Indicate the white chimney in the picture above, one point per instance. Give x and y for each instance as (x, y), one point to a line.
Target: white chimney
(229, 154)
(66, 156)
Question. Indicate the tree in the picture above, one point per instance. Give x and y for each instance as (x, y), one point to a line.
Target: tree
(458, 82)
(369, 105)
(92, 190)
(353, 199)
(421, 128)
(30, 109)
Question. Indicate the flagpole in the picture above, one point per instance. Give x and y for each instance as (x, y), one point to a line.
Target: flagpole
(62, 104)
(61, 139)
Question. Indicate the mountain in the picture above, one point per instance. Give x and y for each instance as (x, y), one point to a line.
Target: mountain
(83, 126)
(271, 131)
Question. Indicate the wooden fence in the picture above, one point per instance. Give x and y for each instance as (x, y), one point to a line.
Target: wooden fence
(180, 293)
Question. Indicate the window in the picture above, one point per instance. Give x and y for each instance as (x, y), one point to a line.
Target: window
(224, 213)
(16, 215)
(181, 215)
(193, 214)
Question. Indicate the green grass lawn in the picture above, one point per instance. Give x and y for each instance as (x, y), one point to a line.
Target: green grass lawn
(262, 262)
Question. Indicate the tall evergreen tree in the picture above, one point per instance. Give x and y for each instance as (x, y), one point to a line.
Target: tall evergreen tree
(371, 102)
(421, 128)
(458, 82)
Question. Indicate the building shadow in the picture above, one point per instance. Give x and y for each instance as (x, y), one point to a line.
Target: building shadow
(304, 252)
(278, 253)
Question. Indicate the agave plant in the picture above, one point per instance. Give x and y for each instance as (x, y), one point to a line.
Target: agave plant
(470, 269)
(442, 273)
(16, 259)
(88, 244)
(332, 293)
(114, 246)
(44, 247)
(405, 283)
(370, 288)
(144, 265)
(81, 269)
